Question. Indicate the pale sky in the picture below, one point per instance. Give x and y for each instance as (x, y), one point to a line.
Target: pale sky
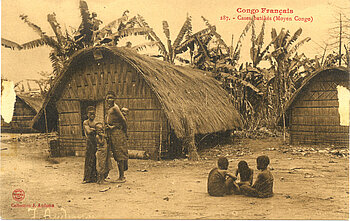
(18, 65)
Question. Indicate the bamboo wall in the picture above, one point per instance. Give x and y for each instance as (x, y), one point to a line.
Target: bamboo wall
(314, 115)
(22, 118)
(89, 82)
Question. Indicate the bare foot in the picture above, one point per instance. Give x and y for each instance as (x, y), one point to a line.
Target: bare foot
(121, 180)
(101, 182)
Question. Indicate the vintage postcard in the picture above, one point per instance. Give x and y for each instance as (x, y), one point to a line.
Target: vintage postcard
(159, 109)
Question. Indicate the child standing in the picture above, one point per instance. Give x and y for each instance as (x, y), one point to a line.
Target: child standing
(125, 112)
(103, 158)
(220, 182)
(263, 186)
(245, 173)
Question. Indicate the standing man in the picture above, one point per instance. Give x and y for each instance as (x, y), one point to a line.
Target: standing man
(117, 134)
(90, 172)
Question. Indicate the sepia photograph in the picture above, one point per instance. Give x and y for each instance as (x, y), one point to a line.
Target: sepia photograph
(182, 110)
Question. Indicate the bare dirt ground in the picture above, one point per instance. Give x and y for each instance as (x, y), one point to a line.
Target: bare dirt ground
(309, 184)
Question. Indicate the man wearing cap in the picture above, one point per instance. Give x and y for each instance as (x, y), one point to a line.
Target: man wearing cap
(117, 134)
(90, 172)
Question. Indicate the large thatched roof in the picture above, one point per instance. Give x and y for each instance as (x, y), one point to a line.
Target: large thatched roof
(184, 93)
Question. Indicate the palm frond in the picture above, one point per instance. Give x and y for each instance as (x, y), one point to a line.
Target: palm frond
(51, 18)
(166, 29)
(131, 22)
(295, 37)
(57, 63)
(34, 44)
(217, 35)
(36, 28)
(114, 24)
(185, 45)
(267, 48)
(189, 29)
(235, 54)
(10, 44)
(253, 34)
(151, 35)
(184, 29)
(260, 38)
(285, 39)
(132, 31)
(273, 33)
(50, 41)
(279, 39)
(140, 47)
(245, 83)
(300, 43)
(84, 13)
(85, 33)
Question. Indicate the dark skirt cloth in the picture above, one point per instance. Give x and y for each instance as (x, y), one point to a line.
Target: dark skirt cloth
(103, 161)
(90, 172)
(253, 192)
(118, 145)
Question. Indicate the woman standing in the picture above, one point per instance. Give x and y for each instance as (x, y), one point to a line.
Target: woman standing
(90, 172)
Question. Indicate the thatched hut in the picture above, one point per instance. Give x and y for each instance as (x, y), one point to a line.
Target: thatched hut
(313, 112)
(160, 96)
(26, 107)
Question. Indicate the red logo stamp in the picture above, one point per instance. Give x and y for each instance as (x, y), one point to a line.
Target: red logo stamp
(18, 195)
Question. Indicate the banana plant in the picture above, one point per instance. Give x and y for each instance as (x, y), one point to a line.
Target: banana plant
(168, 51)
(65, 44)
(287, 65)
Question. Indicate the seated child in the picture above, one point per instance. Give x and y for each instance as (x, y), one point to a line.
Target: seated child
(245, 173)
(220, 182)
(263, 186)
(103, 158)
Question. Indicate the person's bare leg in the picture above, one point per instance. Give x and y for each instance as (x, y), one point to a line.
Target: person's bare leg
(121, 171)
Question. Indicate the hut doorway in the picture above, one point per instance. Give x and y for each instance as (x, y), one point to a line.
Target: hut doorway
(344, 103)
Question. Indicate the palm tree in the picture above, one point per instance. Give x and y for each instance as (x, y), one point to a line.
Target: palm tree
(64, 45)
(170, 52)
(286, 62)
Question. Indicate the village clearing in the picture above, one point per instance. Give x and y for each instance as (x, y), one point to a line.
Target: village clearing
(310, 183)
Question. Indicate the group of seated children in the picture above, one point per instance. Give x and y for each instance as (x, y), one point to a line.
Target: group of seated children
(221, 182)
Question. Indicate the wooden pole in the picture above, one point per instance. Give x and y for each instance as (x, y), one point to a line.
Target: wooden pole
(160, 141)
(284, 128)
(340, 35)
(46, 129)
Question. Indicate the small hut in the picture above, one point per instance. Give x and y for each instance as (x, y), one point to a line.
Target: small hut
(312, 114)
(26, 107)
(159, 97)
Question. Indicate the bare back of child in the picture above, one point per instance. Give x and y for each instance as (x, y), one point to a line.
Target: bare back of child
(263, 186)
(220, 181)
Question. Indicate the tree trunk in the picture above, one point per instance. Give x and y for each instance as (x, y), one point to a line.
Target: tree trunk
(188, 140)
